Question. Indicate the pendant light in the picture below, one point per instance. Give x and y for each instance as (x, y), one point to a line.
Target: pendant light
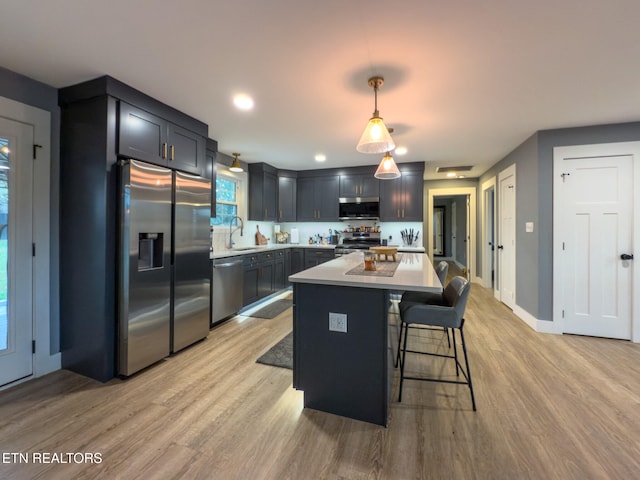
(387, 170)
(235, 165)
(376, 137)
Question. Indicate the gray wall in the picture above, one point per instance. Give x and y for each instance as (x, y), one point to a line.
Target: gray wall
(461, 225)
(25, 90)
(428, 216)
(534, 202)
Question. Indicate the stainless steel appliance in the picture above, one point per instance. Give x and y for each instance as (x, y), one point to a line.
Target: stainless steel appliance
(191, 272)
(359, 208)
(352, 242)
(164, 277)
(226, 297)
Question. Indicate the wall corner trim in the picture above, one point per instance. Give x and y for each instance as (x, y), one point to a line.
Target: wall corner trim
(541, 326)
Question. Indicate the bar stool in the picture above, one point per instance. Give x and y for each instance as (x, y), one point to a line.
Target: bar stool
(425, 297)
(449, 315)
(441, 271)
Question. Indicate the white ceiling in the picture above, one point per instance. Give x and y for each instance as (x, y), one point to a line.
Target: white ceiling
(466, 81)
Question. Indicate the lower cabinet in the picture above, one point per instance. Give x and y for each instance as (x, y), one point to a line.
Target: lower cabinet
(266, 269)
(263, 275)
(268, 272)
(316, 256)
(250, 279)
(297, 261)
(280, 269)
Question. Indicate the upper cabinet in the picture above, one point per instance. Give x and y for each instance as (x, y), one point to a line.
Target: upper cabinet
(211, 153)
(402, 199)
(147, 137)
(263, 192)
(318, 198)
(357, 185)
(287, 188)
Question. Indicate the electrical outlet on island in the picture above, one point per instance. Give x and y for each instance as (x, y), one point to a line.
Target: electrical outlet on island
(338, 322)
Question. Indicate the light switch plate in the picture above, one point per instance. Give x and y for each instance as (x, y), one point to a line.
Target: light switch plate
(528, 227)
(338, 322)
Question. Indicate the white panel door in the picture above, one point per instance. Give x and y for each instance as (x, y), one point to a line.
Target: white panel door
(596, 197)
(16, 311)
(506, 282)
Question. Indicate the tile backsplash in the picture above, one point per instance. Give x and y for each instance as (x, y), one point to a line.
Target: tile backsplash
(388, 230)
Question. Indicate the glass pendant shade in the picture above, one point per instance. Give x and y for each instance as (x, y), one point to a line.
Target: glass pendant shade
(235, 165)
(387, 170)
(375, 138)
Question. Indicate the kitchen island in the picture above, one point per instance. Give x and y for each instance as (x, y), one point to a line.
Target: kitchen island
(342, 354)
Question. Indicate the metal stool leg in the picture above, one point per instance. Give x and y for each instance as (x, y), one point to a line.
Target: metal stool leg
(399, 340)
(466, 361)
(404, 354)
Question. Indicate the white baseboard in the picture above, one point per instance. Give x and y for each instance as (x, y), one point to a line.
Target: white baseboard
(542, 326)
(47, 364)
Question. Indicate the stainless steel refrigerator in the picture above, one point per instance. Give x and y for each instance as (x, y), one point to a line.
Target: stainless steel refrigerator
(164, 271)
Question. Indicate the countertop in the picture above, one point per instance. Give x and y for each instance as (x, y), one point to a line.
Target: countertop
(415, 272)
(263, 248)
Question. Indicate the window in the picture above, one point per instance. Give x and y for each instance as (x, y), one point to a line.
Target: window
(226, 200)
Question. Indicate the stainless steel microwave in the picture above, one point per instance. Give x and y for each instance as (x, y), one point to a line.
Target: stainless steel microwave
(359, 208)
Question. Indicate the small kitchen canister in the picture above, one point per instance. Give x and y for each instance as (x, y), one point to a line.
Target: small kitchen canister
(370, 261)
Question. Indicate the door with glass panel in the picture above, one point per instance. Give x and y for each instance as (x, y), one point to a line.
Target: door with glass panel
(16, 321)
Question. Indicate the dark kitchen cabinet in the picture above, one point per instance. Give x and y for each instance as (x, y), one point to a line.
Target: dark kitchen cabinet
(266, 274)
(148, 137)
(211, 153)
(279, 269)
(318, 198)
(263, 192)
(359, 186)
(316, 256)
(287, 266)
(287, 187)
(250, 279)
(259, 276)
(401, 199)
(297, 261)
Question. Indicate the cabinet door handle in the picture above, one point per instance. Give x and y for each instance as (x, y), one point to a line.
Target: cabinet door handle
(398, 213)
(173, 153)
(403, 213)
(164, 150)
(265, 212)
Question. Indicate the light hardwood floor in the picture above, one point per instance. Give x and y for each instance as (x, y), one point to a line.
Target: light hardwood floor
(549, 407)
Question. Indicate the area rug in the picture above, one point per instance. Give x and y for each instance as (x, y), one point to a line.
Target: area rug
(274, 309)
(281, 354)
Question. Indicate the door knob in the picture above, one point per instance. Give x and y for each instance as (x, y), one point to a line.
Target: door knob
(626, 256)
(500, 247)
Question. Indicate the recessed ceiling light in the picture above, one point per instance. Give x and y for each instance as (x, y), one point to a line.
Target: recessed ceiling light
(243, 102)
(451, 174)
(320, 157)
(400, 151)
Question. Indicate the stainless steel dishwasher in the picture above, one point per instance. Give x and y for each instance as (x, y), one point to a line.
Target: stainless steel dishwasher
(226, 288)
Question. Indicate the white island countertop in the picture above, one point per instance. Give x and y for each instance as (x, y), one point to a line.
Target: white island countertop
(415, 273)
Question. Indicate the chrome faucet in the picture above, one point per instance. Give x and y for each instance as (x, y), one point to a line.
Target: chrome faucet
(231, 230)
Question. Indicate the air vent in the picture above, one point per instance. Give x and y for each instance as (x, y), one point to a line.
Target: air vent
(464, 168)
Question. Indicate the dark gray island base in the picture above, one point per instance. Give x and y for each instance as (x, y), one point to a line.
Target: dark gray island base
(342, 373)
(349, 373)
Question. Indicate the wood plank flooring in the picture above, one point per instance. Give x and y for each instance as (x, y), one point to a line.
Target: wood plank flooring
(549, 407)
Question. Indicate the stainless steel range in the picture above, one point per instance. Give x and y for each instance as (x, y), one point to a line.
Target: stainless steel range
(352, 242)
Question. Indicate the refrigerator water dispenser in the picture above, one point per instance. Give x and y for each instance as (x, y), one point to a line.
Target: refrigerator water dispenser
(150, 251)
